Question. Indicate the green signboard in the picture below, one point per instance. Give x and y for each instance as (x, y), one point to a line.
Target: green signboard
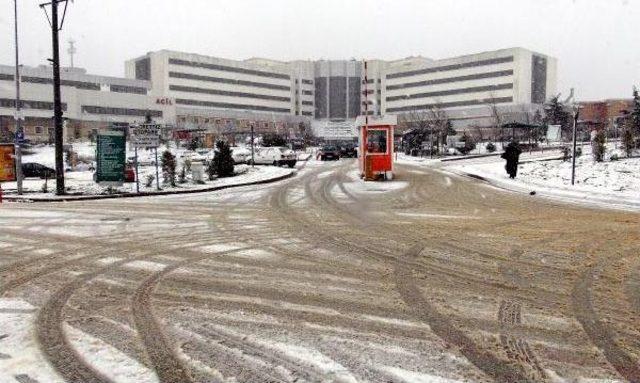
(110, 157)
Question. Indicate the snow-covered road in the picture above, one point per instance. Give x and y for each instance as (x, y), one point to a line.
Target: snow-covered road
(320, 278)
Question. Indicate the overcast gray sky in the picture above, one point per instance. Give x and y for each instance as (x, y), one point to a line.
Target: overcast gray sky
(596, 41)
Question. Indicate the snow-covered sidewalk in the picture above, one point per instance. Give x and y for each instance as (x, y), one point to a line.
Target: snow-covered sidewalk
(82, 186)
(613, 184)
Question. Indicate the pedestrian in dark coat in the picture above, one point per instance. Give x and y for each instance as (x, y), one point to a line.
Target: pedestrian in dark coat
(512, 155)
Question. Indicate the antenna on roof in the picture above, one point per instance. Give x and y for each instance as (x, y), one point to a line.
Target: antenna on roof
(71, 50)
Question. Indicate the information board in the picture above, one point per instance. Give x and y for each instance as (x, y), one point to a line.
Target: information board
(7, 163)
(145, 135)
(110, 157)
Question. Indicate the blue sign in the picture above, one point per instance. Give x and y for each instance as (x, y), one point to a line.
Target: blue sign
(20, 138)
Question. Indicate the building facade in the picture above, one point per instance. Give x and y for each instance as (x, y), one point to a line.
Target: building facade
(89, 102)
(197, 92)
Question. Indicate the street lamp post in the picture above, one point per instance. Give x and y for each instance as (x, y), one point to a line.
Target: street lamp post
(576, 112)
(19, 134)
(57, 103)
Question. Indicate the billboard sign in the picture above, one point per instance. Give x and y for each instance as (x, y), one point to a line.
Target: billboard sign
(145, 135)
(110, 158)
(7, 162)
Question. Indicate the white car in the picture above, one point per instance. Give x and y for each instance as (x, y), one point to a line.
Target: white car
(277, 155)
(240, 154)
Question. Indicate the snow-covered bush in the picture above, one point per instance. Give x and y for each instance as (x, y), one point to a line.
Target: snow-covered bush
(491, 147)
(597, 146)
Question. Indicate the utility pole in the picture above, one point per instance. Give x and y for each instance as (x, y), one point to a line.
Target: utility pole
(19, 135)
(253, 163)
(576, 112)
(57, 104)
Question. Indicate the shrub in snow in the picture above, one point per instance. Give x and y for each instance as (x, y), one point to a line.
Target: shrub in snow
(211, 170)
(149, 181)
(597, 146)
(614, 157)
(223, 161)
(566, 153)
(469, 144)
(627, 142)
(491, 147)
(182, 177)
(168, 162)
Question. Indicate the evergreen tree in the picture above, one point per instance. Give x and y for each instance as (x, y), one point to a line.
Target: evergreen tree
(598, 146)
(627, 141)
(168, 162)
(555, 114)
(223, 161)
(635, 112)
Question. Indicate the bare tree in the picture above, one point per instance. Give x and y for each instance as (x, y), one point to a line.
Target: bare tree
(496, 117)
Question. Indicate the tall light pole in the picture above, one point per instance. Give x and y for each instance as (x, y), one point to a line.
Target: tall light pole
(576, 112)
(19, 136)
(57, 104)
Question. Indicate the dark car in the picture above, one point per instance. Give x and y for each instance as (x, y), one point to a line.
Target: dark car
(348, 150)
(35, 170)
(329, 152)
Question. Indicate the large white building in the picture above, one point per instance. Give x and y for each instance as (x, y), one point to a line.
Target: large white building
(89, 102)
(197, 92)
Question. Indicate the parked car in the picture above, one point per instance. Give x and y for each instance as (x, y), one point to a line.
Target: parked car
(35, 170)
(329, 152)
(240, 155)
(277, 155)
(348, 150)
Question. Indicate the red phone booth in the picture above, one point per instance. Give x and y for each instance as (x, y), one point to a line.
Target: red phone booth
(375, 146)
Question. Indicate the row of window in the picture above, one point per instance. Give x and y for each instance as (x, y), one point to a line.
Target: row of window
(495, 100)
(120, 111)
(307, 102)
(449, 92)
(305, 113)
(26, 104)
(127, 89)
(211, 104)
(446, 80)
(309, 82)
(444, 68)
(193, 89)
(77, 84)
(307, 92)
(197, 77)
(228, 69)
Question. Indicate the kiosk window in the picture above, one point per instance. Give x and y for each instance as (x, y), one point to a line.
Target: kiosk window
(377, 141)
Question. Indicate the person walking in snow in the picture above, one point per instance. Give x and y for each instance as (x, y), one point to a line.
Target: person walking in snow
(512, 155)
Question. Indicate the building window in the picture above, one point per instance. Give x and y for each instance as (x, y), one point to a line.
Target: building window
(376, 141)
(496, 100)
(127, 89)
(182, 101)
(192, 89)
(228, 69)
(120, 111)
(190, 76)
(39, 129)
(445, 68)
(446, 80)
(473, 89)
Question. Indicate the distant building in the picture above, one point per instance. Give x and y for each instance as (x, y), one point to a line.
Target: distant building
(89, 102)
(605, 114)
(192, 92)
